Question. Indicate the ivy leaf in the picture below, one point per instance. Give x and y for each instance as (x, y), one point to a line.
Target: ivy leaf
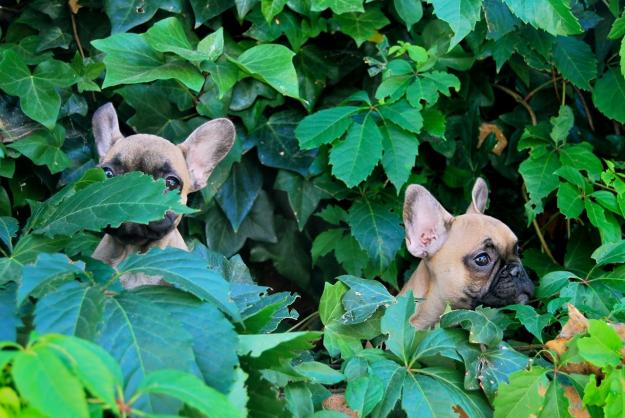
(400, 150)
(168, 35)
(130, 60)
(377, 228)
(524, 395)
(37, 91)
(190, 390)
(72, 309)
(133, 197)
(402, 338)
(303, 195)
(608, 95)
(575, 61)
(184, 270)
(324, 126)
(126, 14)
(361, 26)
(461, 15)
(207, 9)
(553, 16)
(482, 329)
(8, 228)
(603, 345)
(356, 156)
(363, 394)
(44, 382)
(338, 6)
(143, 338)
(272, 64)
(409, 11)
(238, 193)
(48, 270)
(43, 147)
(363, 298)
(271, 8)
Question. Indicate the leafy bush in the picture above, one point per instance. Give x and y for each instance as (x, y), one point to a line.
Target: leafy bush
(338, 106)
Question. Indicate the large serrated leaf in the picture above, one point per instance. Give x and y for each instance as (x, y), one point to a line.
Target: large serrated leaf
(133, 197)
(575, 60)
(48, 270)
(324, 126)
(144, 338)
(461, 15)
(608, 95)
(186, 271)
(553, 16)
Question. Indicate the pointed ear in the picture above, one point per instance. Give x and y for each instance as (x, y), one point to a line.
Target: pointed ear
(205, 148)
(479, 196)
(105, 128)
(426, 222)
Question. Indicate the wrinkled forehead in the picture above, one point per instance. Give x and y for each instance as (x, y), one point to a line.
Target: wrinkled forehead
(146, 153)
(476, 232)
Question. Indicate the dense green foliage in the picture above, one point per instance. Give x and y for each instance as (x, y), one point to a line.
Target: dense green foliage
(338, 104)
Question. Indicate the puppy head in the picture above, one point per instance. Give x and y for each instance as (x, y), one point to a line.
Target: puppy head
(184, 167)
(474, 258)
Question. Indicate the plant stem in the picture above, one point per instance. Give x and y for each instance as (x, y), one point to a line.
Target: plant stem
(303, 321)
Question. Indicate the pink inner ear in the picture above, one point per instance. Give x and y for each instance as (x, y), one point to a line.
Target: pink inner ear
(427, 238)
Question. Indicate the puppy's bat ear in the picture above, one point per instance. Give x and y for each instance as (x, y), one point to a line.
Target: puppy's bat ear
(205, 148)
(426, 222)
(479, 196)
(105, 128)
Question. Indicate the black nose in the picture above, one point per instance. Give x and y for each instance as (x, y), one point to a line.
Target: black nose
(164, 224)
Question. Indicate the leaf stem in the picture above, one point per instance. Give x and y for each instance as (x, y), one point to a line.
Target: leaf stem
(541, 238)
(303, 321)
(75, 32)
(516, 96)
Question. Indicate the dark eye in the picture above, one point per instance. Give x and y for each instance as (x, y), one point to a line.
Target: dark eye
(108, 172)
(172, 183)
(517, 250)
(482, 259)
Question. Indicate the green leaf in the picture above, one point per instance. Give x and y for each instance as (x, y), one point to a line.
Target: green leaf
(144, 338)
(608, 95)
(553, 16)
(272, 64)
(72, 309)
(303, 195)
(37, 91)
(93, 366)
(461, 15)
(562, 124)
(8, 229)
(403, 115)
(44, 382)
(575, 61)
(214, 346)
(126, 14)
(130, 60)
(208, 9)
(363, 298)
(133, 197)
(238, 193)
(400, 150)
(618, 28)
(611, 253)
(272, 8)
(531, 320)
(609, 228)
(524, 396)
(337, 6)
(402, 338)
(356, 156)
(277, 146)
(168, 35)
(540, 181)
(268, 350)
(482, 329)
(330, 307)
(319, 373)
(184, 270)
(434, 122)
(377, 228)
(324, 126)
(190, 390)
(48, 270)
(363, 394)
(603, 347)
(581, 157)
(212, 46)
(43, 147)
(361, 26)
(409, 11)
(570, 201)
(299, 400)
(325, 243)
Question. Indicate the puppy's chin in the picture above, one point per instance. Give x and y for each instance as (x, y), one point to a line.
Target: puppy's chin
(131, 233)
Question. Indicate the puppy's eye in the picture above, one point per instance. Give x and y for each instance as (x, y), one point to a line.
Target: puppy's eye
(172, 183)
(517, 250)
(482, 259)
(108, 172)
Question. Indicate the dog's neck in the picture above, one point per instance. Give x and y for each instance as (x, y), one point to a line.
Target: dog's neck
(424, 286)
(112, 251)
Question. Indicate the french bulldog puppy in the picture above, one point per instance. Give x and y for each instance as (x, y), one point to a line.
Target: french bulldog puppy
(466, 261)
(184, 167)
